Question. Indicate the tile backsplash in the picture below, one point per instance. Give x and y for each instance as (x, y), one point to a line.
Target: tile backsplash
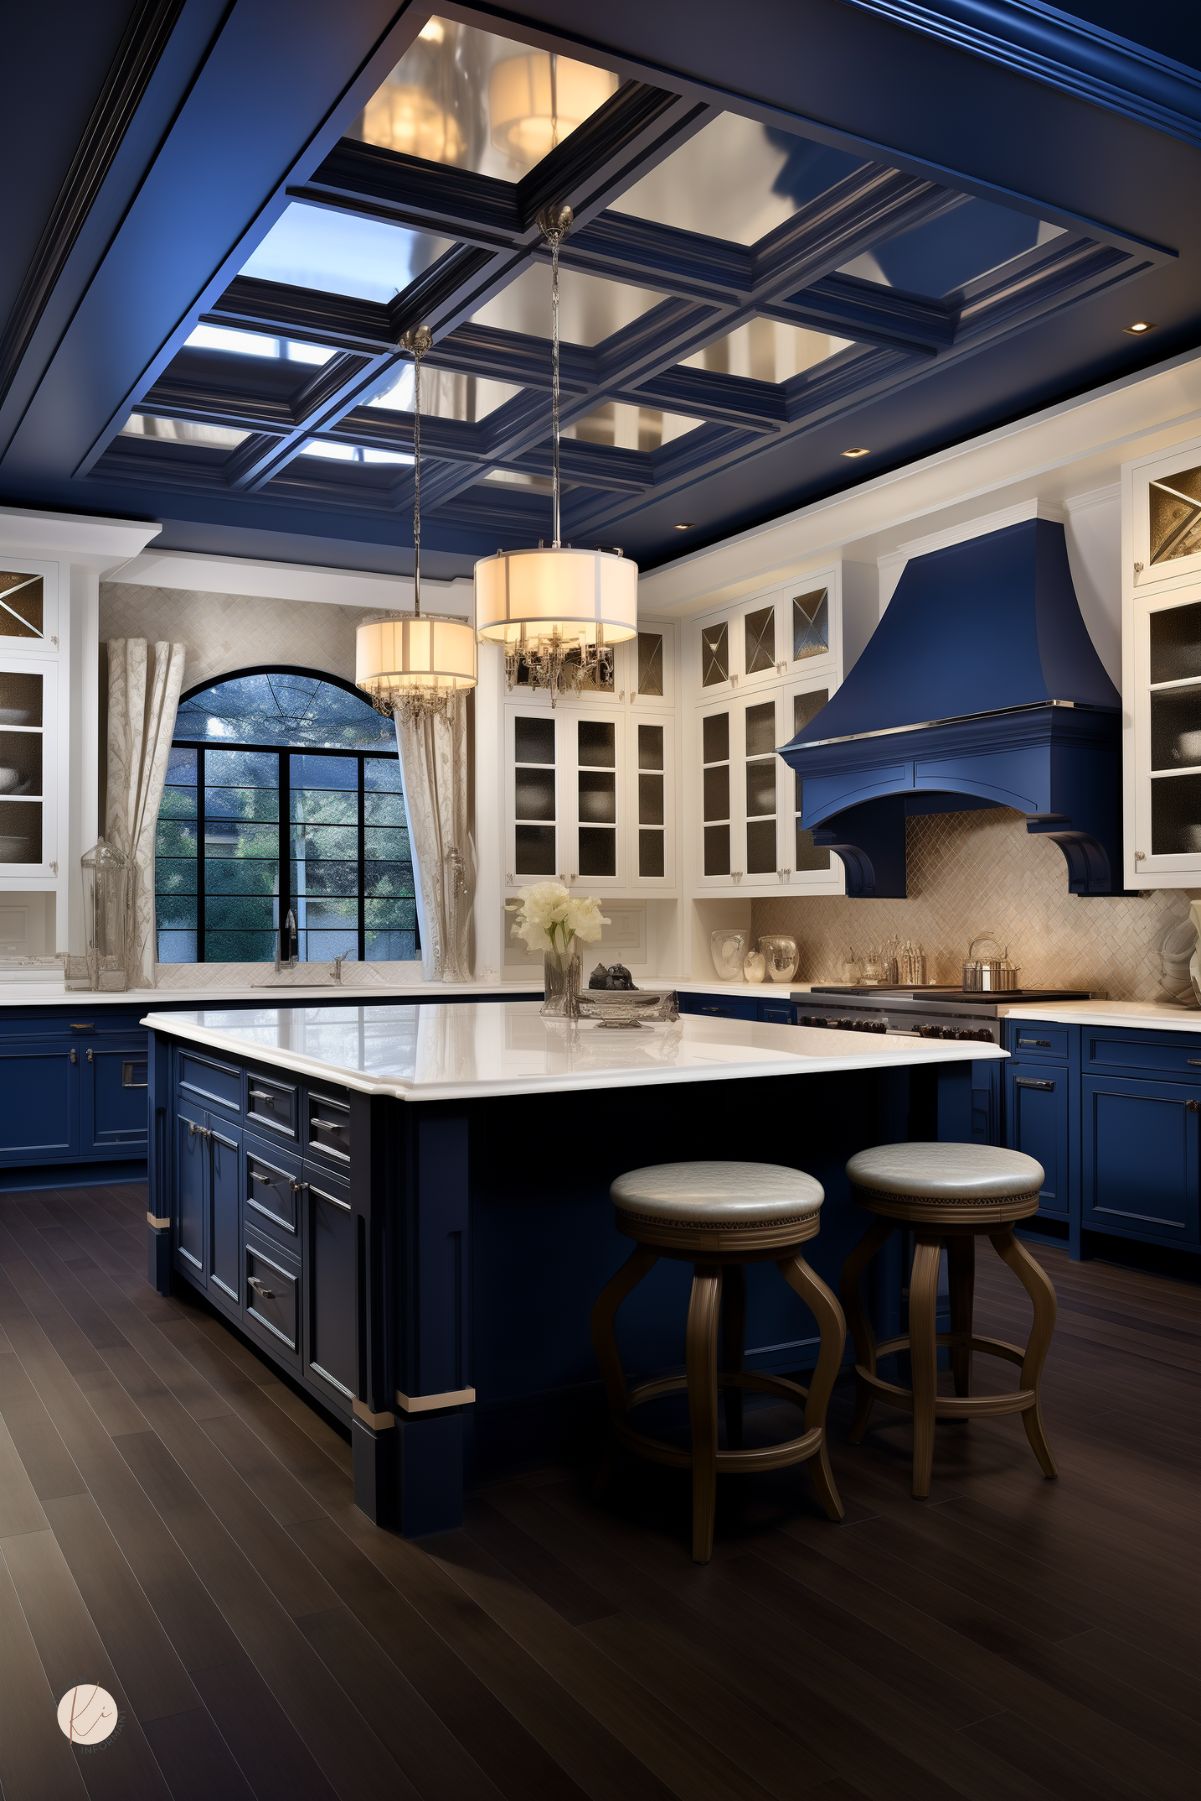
(971, 873)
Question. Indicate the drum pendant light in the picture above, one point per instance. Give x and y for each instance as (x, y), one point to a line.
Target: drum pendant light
(415, 663)
(556, 610)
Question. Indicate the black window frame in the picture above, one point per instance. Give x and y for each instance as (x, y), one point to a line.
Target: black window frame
(283, 753)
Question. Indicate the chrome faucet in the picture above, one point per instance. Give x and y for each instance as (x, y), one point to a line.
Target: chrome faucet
(335, 968)
(287, 935)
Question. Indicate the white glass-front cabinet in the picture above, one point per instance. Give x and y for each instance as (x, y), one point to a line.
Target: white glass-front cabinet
(1163, 517)
(775, 661)
(29, 609)
(1163, 763)
(30, 782)
(589, 799)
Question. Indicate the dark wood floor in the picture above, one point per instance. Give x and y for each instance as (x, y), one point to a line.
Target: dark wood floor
(176, 1525)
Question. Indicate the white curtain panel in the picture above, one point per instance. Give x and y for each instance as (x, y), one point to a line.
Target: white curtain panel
(433, 768)
(144, 685)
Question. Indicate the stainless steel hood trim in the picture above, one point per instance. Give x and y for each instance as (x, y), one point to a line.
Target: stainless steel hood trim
(927, 725)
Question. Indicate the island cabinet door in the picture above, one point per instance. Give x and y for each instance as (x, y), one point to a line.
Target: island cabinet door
(1141, 1159)
(331, 1281)
(1036, 1121)
(224, 1202)
(39, 1100)
(191, 1189)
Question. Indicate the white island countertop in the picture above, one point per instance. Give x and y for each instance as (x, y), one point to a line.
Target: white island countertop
(1143, 1016)
(468, 1052)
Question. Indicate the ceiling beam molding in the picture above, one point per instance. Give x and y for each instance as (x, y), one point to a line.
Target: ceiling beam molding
(623, 248)
(146, 34)
(873, 203)
(869, 314)
(336, 320)
(714, 395)
(1073, 55)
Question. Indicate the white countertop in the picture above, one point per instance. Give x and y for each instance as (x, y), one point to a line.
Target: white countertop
(284, 992)
(1142, 1015)
(466, 1052)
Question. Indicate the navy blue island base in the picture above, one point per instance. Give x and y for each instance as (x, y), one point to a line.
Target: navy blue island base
(426, 1270)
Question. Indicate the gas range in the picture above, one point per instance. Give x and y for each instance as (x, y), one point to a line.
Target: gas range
(922, 1012)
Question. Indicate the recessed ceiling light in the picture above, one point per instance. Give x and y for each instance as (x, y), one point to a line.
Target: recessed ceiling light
(1139, 326)
(860, 450)
(683, 525)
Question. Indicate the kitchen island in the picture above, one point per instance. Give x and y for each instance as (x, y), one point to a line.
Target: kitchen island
(406, 1207)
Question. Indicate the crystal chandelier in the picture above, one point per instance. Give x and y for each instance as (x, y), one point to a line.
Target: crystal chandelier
(415, 663)
(556, 610)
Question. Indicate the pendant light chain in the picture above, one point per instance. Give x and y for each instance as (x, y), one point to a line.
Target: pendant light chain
(418, 342)
(556, 238)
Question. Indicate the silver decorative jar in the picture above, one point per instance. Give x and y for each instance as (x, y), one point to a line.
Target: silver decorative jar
(783, 955)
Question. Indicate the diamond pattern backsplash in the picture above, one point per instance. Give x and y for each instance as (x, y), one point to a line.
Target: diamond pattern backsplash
(971, 873)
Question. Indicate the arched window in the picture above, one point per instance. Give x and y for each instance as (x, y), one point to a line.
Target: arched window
(283, 793)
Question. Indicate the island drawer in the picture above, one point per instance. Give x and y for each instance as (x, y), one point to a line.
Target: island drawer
(327, 1129)
(732, 1006)
(208, 1082)
(1176, 1055)
(271, 1295)
(272, 1192)
(273, 1104)
(1034, 1038)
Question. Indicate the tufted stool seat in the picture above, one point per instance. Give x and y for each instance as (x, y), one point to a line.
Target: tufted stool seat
(719, 1217)
(948, 1195)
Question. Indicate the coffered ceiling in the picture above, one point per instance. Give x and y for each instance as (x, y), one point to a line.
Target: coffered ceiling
(829, 228)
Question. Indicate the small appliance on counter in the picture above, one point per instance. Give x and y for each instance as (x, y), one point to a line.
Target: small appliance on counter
(988, 969)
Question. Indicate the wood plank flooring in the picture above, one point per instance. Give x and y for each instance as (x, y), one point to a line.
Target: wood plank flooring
(176, 1524)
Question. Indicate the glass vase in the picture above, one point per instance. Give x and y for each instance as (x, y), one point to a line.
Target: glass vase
(561, 978)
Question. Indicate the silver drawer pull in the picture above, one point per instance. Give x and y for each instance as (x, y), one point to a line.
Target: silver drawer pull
(127, 1072)
(1193, 1062)
(261, 1289)
(1034, 1044)
(263, 1094)
(329, 1125)
(1030, 1082)
(198, 1131)
(256, 1175)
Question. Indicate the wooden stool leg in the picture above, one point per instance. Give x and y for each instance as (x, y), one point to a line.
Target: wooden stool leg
(832, 1336)
(1035, 1280)
(961, 1270)
(863, 1337)
(604, 1317)
(733, 1334)
(923, 1348)
(700, 1356)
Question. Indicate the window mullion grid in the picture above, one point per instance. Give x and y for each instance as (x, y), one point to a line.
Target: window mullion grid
(362, 761)
(201, 789)
(284, 790)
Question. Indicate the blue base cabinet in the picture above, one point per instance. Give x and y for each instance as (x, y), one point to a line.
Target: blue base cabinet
(39, 1101)
(773, 1009)
(1114, 1117)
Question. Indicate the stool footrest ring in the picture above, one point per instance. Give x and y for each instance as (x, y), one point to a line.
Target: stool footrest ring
(952, 1406)
(759, 1457)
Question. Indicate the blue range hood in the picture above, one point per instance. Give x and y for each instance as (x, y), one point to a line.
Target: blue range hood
(980, 687)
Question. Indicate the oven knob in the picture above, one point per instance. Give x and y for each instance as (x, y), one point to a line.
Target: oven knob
(880, 1025)
(927, 1031)
(984, 1034)
(846, 1025)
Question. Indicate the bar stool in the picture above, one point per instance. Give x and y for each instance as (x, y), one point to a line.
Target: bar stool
(719, 1217)
(947, 1194)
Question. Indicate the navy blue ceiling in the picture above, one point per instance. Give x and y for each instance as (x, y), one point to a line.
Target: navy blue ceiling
(964, 204)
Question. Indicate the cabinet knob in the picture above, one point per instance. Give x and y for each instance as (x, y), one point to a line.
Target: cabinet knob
(1138, 569)
(73, 1054)
(1192, 1106)
(90, 1054)
(1140, 856)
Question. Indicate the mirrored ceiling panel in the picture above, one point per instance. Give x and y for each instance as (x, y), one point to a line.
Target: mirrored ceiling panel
(445, 394)
(590, 309)
(766, 350)
(182, 431)
(481, 102)
(235, 342)
(352, 453)
(736, 179)
(938, 257)
(341, 253)
(628, 427)
(518, 478)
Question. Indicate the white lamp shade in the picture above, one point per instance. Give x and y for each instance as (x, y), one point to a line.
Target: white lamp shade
(534, 104)
(426, 651)
(528, 595)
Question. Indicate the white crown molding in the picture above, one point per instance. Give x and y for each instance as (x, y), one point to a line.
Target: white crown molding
(99, 544)
(1098, 431)
(200, 574)
(1109, 495)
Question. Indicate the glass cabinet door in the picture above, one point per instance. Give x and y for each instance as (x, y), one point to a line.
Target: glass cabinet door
(649, 665)
(533, 778)
(809, 624)
(27, 737)
(595, 860)
(716, 860)
(760, 788)
(713, 650)
(28, 608)
(807, 865)
(1165, 513)
(1169, 828)
(652, 859)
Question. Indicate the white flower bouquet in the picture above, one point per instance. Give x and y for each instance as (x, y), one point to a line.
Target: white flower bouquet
(550, 919)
